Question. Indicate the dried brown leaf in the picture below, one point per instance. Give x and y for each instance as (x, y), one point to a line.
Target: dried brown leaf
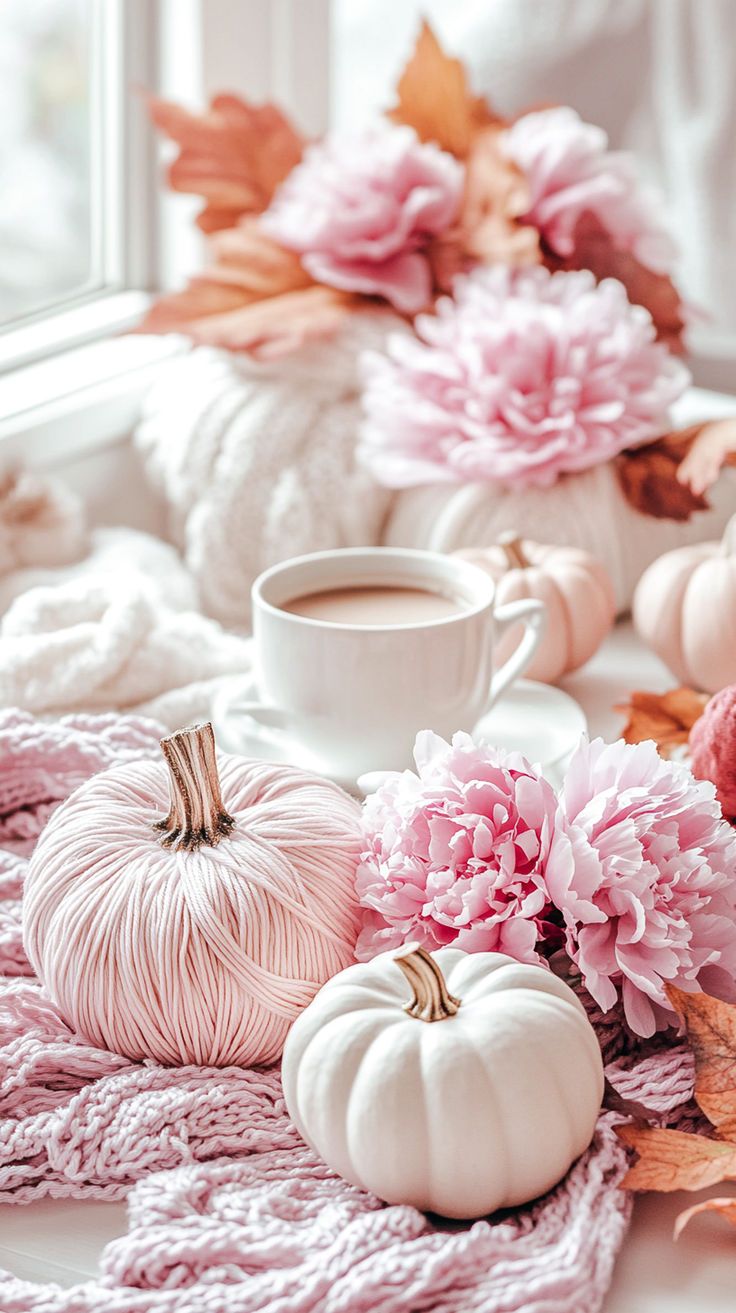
(726, 1207)
(496, 196)
(711, 1033)
(254, 296)
(595, 250)
(675, 1160)
(217, 315)
(433, 98)
(667, 718)
(712, 446)
(233, 154)
(650, 481)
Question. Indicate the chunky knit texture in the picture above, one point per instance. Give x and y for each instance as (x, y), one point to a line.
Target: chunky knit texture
(257, 460)
(256, 463)
(229, 1209)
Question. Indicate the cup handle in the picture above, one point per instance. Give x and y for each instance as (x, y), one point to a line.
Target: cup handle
(534, 615)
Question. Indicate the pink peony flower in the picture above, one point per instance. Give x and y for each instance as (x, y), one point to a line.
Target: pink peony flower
(643, 869)
(457, 853)
(524, 375)
(570, 172)
(360, 209)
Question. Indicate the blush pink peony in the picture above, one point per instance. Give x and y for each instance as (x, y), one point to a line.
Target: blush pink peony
(360, 209)
(520, 377)
(457, 853)
(643, 869)
(571, 172)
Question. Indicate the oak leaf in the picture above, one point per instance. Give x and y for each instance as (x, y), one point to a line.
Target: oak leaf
(434, 99)
(594, 249)
(667, 718)
(233, 154)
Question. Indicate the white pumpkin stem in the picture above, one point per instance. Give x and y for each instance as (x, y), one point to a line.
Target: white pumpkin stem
(197, 815)
(513, 547)
(432, 999)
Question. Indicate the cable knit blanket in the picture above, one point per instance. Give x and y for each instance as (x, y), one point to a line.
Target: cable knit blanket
(117, 628)
(227, 1206)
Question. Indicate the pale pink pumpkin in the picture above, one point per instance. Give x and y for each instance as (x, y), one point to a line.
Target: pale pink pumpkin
(577, 592)
(685, 610)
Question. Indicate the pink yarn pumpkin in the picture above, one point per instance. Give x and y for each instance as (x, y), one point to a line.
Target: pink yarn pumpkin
(196, 938)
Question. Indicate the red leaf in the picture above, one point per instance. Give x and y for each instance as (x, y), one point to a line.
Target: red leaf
(650, 481)
(595, 250)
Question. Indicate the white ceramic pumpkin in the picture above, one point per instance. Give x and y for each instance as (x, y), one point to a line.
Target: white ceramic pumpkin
(685, 610)
(577, 593)
(472, 1090)
(586, 510)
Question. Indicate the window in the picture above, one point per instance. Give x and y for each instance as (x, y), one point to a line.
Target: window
(74, 232)
(48, 254)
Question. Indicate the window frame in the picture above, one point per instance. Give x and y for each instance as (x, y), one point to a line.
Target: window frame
(124, 225)
(69, 384)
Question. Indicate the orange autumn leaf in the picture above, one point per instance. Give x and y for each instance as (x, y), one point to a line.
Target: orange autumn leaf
(712, 445)
(711, 1033)
(667, 718)
(594, 249)
(247, 265)
(678, 1160)
(233, 154)
(675, 1160)
(434, 99)
(270, 329)
(215, 314)
(726, 1207)
(495, 198)
(254, 296)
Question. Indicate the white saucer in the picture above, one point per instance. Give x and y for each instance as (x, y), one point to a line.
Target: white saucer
(538, 720)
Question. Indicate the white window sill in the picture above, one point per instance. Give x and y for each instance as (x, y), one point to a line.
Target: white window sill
(78, 401)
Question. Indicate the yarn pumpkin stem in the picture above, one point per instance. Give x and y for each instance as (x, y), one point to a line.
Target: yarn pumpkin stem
(432, 999)
(515, 555)
(197, 815)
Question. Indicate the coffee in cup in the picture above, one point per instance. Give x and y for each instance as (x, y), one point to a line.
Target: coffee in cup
(357, 649)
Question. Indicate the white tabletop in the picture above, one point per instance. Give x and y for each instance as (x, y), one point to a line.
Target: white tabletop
(61, 1241)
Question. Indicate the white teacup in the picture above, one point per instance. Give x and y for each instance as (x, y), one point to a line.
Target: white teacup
(350, 695)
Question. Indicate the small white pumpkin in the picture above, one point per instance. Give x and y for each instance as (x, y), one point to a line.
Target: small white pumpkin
(685, 610)
(485, 1108)
(577, 593)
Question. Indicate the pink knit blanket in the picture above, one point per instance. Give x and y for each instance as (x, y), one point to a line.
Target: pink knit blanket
(228, 1208)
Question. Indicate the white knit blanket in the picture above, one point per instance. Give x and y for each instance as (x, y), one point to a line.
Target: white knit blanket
(116, 629)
